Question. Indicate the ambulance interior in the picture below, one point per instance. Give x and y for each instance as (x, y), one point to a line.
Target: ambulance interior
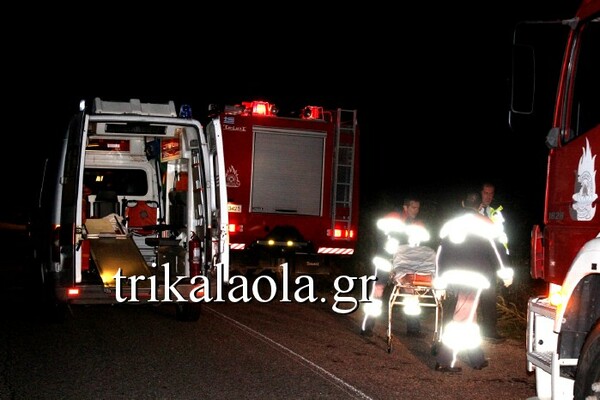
(134, 213)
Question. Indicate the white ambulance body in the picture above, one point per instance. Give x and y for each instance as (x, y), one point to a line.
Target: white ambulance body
(131, 209)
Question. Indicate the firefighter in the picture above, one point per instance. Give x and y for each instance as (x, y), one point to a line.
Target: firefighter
(467, 262)
(488, 310)
(394, 226)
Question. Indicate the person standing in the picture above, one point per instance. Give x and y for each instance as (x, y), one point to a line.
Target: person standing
(467, 260)
(488, 308)
(410, 216)
(488, 191)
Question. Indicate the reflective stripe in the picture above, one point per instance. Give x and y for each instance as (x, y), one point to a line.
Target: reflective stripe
(335, 250)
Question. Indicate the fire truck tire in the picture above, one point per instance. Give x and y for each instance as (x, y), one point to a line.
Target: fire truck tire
(188, 312)
(588, 368)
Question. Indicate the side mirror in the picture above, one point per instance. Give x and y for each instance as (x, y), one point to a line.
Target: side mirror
(523, 79)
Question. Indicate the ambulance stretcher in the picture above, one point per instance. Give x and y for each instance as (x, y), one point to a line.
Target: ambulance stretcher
(413, 274)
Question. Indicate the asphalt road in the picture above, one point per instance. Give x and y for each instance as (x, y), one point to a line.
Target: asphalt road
(254, 350)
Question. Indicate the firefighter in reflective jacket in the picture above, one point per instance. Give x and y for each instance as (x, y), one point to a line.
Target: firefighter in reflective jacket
(399, 230)
(467, 263)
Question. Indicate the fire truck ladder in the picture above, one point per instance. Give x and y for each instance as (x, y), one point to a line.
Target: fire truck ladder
(345, 143)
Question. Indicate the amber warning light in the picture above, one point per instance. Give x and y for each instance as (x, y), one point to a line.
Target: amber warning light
(235, 228)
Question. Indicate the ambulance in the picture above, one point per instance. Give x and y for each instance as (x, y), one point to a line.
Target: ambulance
(131, 209)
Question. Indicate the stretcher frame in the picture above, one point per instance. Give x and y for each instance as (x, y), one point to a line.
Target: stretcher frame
(417, 284)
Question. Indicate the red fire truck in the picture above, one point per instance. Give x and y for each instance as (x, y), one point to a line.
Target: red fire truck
(292, 188)
(563, 332)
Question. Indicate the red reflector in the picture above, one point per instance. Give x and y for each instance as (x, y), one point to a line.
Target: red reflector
(340, 233)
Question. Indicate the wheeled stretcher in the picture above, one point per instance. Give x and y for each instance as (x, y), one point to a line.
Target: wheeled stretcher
(413, 275)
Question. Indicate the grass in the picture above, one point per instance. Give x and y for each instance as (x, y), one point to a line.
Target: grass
(512, 321)
(512, 306)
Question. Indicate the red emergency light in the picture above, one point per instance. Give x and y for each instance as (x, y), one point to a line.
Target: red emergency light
(312, 112)
(260, 108)
(72, 292)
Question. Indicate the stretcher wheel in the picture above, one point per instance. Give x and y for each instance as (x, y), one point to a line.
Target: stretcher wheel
(389, 344)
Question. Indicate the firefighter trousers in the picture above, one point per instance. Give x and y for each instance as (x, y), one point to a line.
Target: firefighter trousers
(461, 304)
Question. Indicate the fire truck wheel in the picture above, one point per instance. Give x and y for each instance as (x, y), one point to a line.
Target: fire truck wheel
(588, 368)
(187, 311)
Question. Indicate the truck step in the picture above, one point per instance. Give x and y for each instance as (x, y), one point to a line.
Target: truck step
(541, 360)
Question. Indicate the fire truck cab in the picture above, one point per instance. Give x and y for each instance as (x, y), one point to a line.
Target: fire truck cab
(131, 209)
(563, 330)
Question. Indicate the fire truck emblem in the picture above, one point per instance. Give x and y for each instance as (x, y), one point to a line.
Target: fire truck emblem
(585, 186)
(231, 176)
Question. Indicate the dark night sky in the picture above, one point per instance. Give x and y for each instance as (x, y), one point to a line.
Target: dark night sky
(430, 83)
